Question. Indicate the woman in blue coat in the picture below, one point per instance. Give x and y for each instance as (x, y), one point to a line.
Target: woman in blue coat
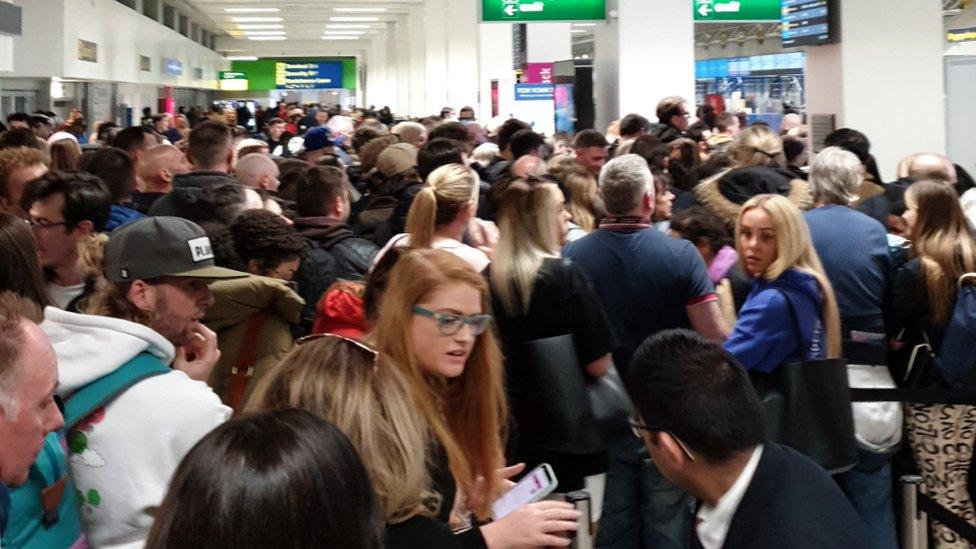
(791, 313)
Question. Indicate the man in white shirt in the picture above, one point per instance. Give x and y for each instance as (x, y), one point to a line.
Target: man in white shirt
(66, 210)
(701, 421)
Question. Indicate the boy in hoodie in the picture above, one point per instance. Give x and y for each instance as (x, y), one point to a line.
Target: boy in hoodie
(123, 455)
(212, 154)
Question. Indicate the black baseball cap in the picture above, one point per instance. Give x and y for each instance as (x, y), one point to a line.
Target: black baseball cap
(161, 246)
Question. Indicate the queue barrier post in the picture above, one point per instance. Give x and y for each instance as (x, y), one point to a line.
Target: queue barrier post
(914, 527)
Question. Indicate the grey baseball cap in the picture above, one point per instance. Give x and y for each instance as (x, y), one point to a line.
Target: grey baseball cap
(161, 246)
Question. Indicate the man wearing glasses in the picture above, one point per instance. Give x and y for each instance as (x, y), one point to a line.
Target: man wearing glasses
(673, 118)
(701, 421)
(64, 210)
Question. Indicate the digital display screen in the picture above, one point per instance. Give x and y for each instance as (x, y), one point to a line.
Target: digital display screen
(806, 23)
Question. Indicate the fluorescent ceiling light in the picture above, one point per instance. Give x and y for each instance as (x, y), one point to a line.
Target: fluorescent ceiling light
(348, 33)
(260, 26)
(359, 10)
(267, 38)
(242, 58)
(340, 38)
(257, 19)
(252, 10)
(578, 31)
(265, 33)
(347, 26)
(354, 19)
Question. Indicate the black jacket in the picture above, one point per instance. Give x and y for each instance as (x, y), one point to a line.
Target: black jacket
(187, 191)
(792, 503)
(665, 132)
(335, 253)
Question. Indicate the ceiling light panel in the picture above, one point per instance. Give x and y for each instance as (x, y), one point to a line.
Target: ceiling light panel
(353, 26)
(265, 33)
(359, 10)
(252, 10)
(340, 38)
(267, 38)
(257, 19)
(354, 19)
(260, 26)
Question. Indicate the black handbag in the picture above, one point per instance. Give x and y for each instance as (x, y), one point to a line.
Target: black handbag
(807, 407)
(581, 414)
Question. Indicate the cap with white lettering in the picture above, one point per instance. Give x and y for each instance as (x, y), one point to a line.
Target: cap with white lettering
(161, 246)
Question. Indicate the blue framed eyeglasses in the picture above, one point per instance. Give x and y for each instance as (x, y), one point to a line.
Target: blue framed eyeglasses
(450, 324)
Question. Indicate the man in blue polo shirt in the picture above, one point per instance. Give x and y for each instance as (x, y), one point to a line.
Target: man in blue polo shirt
(648, 282)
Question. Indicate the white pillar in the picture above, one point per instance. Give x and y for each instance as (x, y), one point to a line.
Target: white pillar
(644, 54)
(548, 42)
(418, 62)
(495, 54)
(462, 54)
(884, 78)
(435, 49)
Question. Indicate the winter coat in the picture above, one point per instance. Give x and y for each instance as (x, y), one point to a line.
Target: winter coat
(121, 215)
(188, 190)
(725, 193)
(236, 301)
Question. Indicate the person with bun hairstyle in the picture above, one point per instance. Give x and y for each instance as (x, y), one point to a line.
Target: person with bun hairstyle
(440, 214)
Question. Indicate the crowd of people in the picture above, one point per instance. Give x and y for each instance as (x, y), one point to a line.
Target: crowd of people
(337, 330)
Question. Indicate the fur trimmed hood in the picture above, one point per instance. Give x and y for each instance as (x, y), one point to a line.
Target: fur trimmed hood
(725, 193)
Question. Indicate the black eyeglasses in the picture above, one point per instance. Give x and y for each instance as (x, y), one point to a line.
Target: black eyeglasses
(450, 324)
(636, 427)
(44, 223)
(359, 345)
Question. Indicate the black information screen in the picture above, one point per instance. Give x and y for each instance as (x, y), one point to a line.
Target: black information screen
(806, 23)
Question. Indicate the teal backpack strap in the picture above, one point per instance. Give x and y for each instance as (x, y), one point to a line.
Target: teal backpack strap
(99, 392)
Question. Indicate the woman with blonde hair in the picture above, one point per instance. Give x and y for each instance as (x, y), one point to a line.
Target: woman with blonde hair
(922, 304)
(758, 168)
(582, 189)
(536, 295)
(440, 215)
(791, 314)
(434, 324)
(348, 383)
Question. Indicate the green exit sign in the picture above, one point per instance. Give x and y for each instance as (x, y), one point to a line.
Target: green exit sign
(523, 11)
(737, 10)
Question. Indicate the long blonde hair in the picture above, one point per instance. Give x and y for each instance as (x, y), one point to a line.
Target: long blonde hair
(449, 190)
(468, 414)
(369, 400)
(795, 251)
(943, 240)
(582, 197)
(528, 227)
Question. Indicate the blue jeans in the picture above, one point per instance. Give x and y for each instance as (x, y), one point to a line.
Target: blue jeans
(868, 486)
(641, 508)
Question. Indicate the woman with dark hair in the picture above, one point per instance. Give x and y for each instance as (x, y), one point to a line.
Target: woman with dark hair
(19, 270)
(267, 244)
(116, 168)
(282, 479)
(65, 155)
(924, 297)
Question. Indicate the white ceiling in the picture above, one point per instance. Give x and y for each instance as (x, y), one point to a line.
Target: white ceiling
(303, 20)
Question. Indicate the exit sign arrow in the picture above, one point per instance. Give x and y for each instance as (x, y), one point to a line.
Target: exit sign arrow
(704, 10)
(510, 10)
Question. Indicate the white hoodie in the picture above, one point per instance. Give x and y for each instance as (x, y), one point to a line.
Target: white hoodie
(123, 456)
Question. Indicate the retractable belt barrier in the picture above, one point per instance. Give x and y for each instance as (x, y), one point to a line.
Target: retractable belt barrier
(920, 502)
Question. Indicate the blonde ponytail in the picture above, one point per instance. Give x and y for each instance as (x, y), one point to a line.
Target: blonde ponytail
(450, 190)
(421, 220)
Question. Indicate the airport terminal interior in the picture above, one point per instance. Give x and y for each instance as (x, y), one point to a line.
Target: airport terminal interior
(498, 274)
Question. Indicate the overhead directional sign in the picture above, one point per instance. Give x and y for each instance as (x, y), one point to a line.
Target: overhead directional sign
(737, 10)
(521, 11)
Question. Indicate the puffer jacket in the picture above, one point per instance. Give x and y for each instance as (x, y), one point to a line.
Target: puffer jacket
(724, 194)
(236, 301)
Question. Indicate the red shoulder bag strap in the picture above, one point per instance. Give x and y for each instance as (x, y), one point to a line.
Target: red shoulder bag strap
(243, 369)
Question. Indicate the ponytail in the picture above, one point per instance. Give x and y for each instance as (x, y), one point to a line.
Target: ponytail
(449, 190)
(422, 218)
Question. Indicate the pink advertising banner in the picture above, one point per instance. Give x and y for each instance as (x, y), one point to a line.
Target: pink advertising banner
(538, 73)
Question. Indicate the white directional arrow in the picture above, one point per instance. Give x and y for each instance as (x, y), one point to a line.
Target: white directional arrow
(510, 10)
(704, 10)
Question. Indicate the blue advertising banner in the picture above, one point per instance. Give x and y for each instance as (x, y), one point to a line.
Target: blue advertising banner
(533, 92)
(307, 76)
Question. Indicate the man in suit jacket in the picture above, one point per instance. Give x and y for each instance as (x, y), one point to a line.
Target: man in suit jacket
(701, 421)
